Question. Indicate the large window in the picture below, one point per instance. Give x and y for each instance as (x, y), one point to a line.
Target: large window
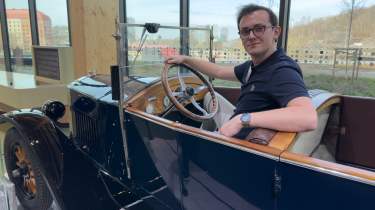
(222, 15)
(19, 35)
(150, 49)
(166, 12)
(334, 43)
(52, 21)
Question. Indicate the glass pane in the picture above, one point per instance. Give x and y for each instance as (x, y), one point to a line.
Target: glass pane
(151, 11)
(328, 43)
(19, 35)
(222, 15)
(147, 51)
(52, 19)
(363, 38)
(2, 61)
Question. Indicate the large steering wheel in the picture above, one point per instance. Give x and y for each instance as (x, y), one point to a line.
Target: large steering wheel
(186, 93)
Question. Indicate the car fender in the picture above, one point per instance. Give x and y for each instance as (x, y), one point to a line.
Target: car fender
(41, 134)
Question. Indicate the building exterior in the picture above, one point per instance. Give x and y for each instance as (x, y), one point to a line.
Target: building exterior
(20, 32)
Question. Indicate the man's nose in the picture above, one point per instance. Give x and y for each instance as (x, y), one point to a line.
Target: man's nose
(251, 34)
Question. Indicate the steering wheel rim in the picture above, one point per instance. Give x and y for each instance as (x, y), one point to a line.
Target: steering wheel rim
(181, 107)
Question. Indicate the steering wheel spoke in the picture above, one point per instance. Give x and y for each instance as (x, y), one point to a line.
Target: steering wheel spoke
(196, 105)
(199, 89)
(181, 80)
(178, 94)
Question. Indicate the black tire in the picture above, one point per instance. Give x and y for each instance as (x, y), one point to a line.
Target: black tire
(35, 194)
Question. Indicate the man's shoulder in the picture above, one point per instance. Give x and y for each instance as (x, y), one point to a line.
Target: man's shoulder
(244, 65)
(286, 63)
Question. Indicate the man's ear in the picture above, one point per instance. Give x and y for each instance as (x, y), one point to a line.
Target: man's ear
(277, 32)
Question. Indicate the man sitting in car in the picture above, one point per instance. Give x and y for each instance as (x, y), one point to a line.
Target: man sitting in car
(273, 94)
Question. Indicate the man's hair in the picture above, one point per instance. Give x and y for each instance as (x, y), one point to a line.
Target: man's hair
(250, 8)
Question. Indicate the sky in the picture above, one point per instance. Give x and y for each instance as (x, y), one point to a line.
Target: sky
(55, 9)
(202, 12)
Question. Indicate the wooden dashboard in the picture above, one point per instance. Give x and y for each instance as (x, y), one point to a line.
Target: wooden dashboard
(153, 99)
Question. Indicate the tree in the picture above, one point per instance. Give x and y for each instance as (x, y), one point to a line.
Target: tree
(350, 6)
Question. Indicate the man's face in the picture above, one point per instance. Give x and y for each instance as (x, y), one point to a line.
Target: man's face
(262, 37)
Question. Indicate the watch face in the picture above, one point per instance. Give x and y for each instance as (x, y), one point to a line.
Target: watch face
(245, 119)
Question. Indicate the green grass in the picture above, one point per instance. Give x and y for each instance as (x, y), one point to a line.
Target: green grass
(358, 87)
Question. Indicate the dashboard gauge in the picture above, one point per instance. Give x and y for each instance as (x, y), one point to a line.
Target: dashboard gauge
(150, 108)
(166, 101)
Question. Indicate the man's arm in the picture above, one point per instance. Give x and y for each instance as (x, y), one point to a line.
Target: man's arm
(299, 115)
(208, 68)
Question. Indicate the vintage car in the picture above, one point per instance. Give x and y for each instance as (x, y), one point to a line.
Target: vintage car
(137, 142)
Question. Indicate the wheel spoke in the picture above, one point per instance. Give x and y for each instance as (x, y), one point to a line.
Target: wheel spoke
(194, 102)
(20, 154)
(29, 182)
(182, 82)
(178, 94)
(199, 89)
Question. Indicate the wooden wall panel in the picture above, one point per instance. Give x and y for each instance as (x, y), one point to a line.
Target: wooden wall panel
(92, 25)
(99, 24)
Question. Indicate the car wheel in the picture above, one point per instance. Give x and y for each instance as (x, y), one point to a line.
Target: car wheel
(24, 171)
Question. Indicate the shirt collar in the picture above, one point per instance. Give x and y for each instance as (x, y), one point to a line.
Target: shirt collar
(272, 59)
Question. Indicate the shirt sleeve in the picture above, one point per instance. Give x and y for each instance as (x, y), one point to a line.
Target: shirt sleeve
(240, 70)
(287, 84)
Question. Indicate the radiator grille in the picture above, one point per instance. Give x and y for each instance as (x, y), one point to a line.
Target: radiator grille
(87, 133)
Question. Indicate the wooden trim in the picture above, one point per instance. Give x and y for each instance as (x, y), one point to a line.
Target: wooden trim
(329, 166)
(282, 140)
(206, 134)
(331, 101)
(157, 92)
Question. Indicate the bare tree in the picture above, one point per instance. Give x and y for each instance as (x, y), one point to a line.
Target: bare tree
(350, 6)
(268, 3)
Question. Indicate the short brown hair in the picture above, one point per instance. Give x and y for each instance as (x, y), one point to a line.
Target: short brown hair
(250, 8)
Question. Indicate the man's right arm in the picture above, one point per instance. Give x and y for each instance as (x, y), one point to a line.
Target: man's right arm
(208, 68)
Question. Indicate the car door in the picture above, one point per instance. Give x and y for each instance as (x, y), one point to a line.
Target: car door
(309, 183)
(204, 170)
(220, 175)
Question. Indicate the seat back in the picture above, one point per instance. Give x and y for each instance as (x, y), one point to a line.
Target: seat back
(306, 142)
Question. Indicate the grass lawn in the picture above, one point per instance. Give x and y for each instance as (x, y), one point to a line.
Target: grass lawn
(359, 87)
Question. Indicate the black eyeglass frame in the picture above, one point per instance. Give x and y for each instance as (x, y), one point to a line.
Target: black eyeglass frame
(245, 32)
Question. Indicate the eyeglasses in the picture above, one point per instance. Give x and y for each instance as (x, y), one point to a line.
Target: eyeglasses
(258, 31)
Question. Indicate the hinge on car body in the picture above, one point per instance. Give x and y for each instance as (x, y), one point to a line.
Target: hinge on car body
(276, 183)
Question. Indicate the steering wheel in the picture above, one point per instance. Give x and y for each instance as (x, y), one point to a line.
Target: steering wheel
(186, 93)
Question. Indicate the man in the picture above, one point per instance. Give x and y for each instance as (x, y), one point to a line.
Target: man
(273, 94)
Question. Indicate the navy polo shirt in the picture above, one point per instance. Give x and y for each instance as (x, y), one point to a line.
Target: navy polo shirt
(272, 84)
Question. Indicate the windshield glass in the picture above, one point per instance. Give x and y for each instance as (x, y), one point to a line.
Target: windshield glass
(146, 51)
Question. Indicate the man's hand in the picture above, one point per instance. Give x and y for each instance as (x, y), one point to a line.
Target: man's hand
(231, 127)
(175, 59)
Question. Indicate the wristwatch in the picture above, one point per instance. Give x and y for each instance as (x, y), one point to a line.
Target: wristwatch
(245, 120)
